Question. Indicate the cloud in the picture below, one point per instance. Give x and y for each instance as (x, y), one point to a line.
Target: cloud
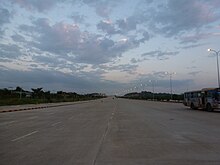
(159, 54)
(47, 79)
(4, 16)
(133, 24)
(122, 27)
(96, 50)
(64, 42)
(70, 42)
(192, 46)
(107, 27)
(103, 8)
(159, 74)
(54, 80)
(192, 67)
(161, 82)
(9, 51)
(18, 38)
(215, 3)
(78, 18)
(177, 17)
(194, 38)
(195, 73)
(53, 62)
(60, 38)
(134, 60)
(128, 68)
(177, 85)
(154, 76)
(128, 24)
(145, 37)
(46, 59)
(39, 5)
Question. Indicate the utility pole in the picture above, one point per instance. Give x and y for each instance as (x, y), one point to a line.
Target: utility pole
(171, 85)
(216, 52)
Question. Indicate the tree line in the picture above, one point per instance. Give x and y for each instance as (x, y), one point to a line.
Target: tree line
(145, 95)
(38, 95)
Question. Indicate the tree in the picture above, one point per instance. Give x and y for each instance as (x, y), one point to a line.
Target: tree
(47, 96)
(38, 92)
(19, 89)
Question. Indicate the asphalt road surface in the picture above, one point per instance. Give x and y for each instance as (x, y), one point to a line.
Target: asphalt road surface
(110, 132)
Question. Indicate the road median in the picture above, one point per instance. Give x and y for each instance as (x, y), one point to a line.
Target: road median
(14, 108)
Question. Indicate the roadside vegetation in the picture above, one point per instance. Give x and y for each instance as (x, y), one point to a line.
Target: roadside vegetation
(38, 95)
(144, 95)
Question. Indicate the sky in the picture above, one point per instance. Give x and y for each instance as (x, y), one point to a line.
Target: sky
(109, 46)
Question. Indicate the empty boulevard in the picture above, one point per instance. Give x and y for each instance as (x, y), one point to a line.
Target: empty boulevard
(110, 131)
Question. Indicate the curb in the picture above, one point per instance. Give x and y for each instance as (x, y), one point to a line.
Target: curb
(25, 109)
(40, 107)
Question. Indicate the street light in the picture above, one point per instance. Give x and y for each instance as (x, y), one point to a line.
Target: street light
(153, 85)
(171, 85)
(216, 52)
(10, 88)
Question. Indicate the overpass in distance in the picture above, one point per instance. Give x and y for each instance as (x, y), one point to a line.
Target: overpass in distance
(110, 131)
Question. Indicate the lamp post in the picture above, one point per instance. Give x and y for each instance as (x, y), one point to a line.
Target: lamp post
(153, 86)
(10, 88)
(171, 85)
(216, 52)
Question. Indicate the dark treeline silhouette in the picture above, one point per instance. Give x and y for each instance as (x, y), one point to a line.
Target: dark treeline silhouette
(38, 95)
(144, 95)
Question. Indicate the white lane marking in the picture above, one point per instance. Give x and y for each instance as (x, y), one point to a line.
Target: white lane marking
(102, 141)
(55, 123)
(11, 122)
(24, 136)
(7, 122)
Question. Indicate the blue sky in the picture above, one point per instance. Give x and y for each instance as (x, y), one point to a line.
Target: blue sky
(106, 46)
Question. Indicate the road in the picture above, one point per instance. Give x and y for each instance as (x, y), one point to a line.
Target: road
(110, 132)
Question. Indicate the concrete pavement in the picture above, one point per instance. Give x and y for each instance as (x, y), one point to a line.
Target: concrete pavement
(110, 131)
